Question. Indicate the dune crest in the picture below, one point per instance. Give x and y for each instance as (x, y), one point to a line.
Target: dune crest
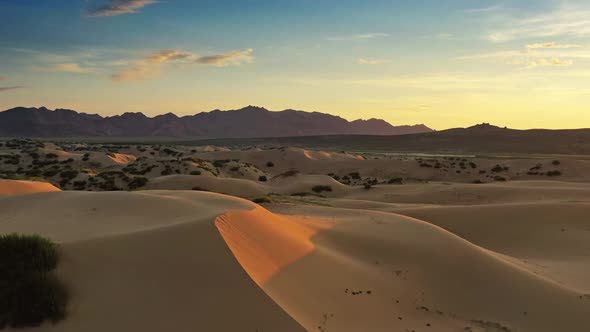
(264, 243)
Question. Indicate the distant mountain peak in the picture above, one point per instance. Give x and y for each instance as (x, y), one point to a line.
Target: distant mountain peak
(484, 126)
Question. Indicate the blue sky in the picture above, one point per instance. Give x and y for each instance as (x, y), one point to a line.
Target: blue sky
(443, 63)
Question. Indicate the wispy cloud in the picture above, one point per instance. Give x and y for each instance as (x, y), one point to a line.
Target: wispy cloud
(488, 9)
(149, 67)
(365, 61)
(8, 88)
(359, 36)
(232, 58)
(567, 21)
(545, 62)
(535, 55)
(552, 45)
(73, 68)
(119, 7)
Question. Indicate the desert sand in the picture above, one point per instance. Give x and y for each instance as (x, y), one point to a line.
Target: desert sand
(430, 252)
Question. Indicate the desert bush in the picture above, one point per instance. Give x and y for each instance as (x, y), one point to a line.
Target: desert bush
(304, 194)
(51, 172)
(137, 183)
(79, 185)
(396, 181)
(553, 173)
(199, 189)
(51, 156)
(556, 163)
(319, 189)
(500, 179)
(220, 163)
(355, 175)
(262, 178)
(497, 169)
(289, 173)
(270, 164)
(195, 173)
(262, 200)
(29, 294)
(68, 174)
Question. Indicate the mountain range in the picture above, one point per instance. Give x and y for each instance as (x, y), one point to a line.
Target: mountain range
(247, 122)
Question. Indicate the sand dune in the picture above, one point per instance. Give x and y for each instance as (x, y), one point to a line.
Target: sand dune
(146, 262)
(16, 187)
(186, 260)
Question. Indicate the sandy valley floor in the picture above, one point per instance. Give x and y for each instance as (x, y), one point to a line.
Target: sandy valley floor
(339, 241)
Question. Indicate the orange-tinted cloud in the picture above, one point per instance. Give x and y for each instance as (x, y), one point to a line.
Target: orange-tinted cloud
(119, 7)
(150, 66)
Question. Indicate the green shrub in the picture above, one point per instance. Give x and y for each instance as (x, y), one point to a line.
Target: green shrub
(19, 253)
(29, 293)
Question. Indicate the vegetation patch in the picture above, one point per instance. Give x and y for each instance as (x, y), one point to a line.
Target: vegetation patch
(321, 189)
(29, 293)
(262, 200)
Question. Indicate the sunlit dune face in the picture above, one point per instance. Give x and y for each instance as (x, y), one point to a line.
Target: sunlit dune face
(308, 154)
(17, 187)
(325, 154)
(264, 243)
(120, 158)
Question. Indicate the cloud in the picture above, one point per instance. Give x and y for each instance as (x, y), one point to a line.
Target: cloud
(149, 67)
(119, 7)
(566, 21)
(7, 88)
(484, 9)
(66, 68)
(232, 58)
(544, 62)
(363, 61)
(552, 45)
(359, 36)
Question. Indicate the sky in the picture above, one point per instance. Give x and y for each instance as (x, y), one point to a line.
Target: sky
(452, 63)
